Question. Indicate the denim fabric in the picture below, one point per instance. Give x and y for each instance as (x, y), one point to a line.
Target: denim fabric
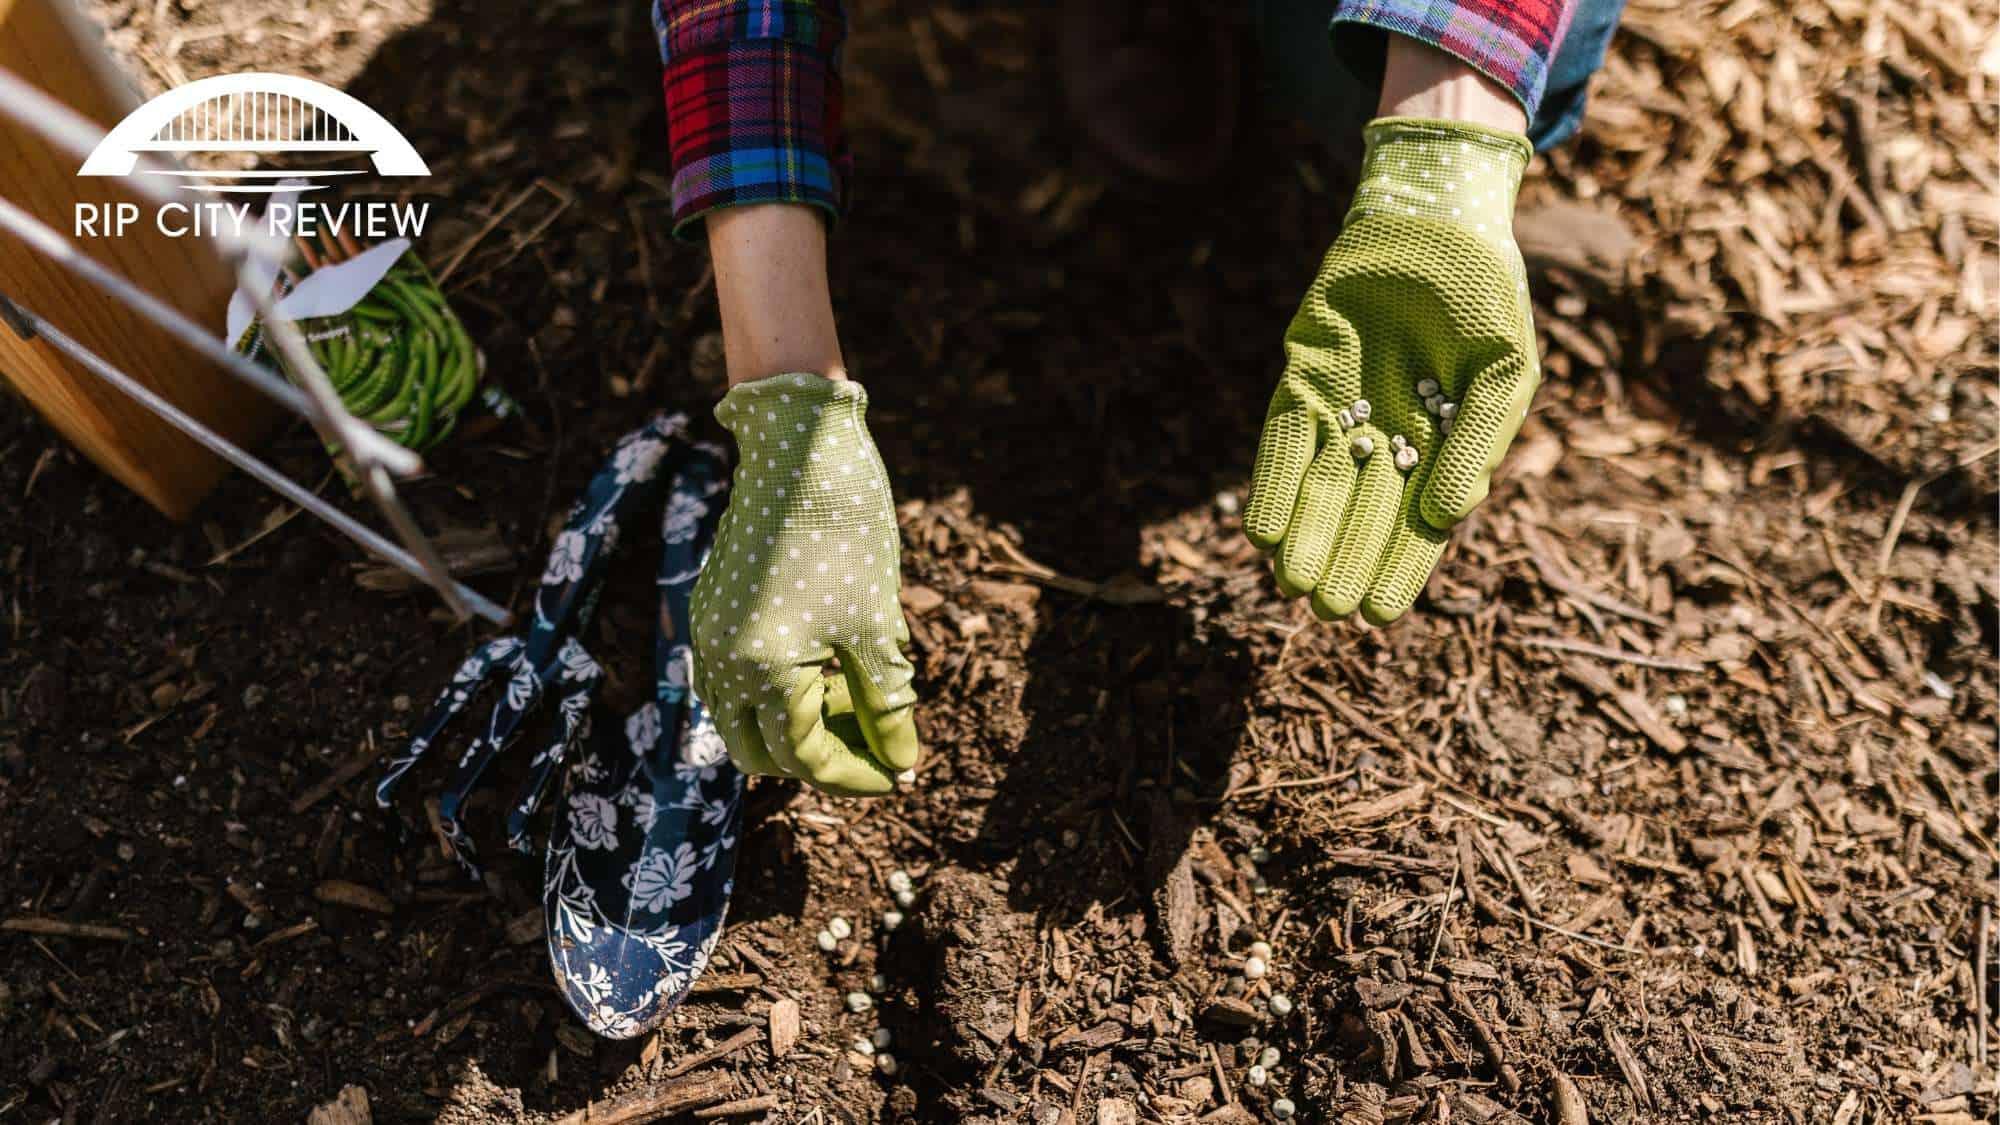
(1337, 99)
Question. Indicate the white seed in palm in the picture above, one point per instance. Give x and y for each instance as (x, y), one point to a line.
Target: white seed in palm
(1363, 446)
(1448, 410)
(1259, 1076)
(827, 941)
(1362, 410)
(840, 928)
(1426, 388)
(1261, 949)
(1281, 1005)
(1397, 441)
(859, 1001)
(1254, 968)
(1406, 458)
(1434, 404)
(899, 880)
(1444, 426)
(1346, 419)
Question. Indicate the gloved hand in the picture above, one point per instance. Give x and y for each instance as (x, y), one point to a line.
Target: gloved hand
(1408, 371)
(806, 569)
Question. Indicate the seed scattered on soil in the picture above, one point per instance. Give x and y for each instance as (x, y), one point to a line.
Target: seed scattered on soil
(859, 1001)
(1254, 968)
(899, 881)
(1282, 1109)
(1261, 950)
(886, 1063)
(1259, 1076)
(891, 919)
(1281, 1005)
(906, 899)
(840, 928)
(882, 1038)
(827, 941)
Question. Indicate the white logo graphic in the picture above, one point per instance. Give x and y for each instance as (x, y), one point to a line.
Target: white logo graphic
(254, 112)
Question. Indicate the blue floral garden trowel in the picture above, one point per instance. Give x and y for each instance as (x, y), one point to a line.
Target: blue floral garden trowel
(642, 851)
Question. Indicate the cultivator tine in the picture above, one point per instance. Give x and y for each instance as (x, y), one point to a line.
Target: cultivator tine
(376, 458)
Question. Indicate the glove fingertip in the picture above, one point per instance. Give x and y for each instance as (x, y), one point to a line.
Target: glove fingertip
(893, 738)
(1377, 610)
(1446, 503)
(1332, 605)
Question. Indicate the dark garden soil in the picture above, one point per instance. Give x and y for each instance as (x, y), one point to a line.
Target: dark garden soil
(1673, 801)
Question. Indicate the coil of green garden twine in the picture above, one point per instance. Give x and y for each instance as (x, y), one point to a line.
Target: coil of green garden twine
(400, 360)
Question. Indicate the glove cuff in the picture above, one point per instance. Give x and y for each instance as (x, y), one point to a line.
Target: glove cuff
(1451, 171)
(773, 409)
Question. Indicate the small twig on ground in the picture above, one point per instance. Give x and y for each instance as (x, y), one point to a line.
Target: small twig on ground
(762, 1103)
(1979, 959)
(1483, 1037)
(1585, 648)
(1553, 574)
(653, 1104)
(1888, 549)
(1221, 1076)
(465, 247)
(1551, 927)
(723, 1049)
(1444, 913)
(1352, 714)
(348, 771)
(1629, 1066)
(56, 927)
(1292, 783)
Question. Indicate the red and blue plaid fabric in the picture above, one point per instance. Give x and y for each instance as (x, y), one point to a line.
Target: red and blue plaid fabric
(754, 97)
(1510, 41)
(753, 103)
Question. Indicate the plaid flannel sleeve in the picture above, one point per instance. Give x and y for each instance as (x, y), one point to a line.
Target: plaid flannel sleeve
(1512, 42)
(753, 104)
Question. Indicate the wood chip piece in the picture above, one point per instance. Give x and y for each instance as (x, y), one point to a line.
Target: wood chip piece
(349, 1108)
(354, 896)
(785, 1027)
(1229, 1010)
(1116, 1111)
(652, 1104)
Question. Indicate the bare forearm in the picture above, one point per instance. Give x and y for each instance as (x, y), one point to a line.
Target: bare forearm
(1418, 80)
(770, 281)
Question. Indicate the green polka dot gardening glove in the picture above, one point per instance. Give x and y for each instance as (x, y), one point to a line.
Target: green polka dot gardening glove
(1408, 371)
(805, 571)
